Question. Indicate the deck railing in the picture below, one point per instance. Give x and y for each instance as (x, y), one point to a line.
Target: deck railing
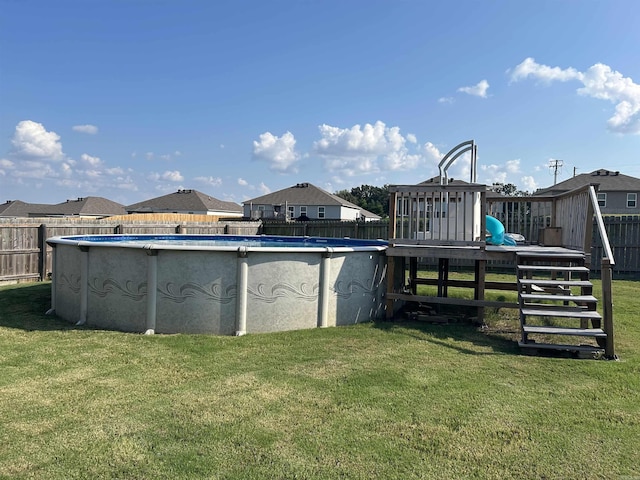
(570, 216)
(455, 215)
(437, 214)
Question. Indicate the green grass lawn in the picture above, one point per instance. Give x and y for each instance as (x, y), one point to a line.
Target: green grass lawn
(378, 400)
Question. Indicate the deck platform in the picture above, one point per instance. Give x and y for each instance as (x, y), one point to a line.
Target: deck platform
(403, 288)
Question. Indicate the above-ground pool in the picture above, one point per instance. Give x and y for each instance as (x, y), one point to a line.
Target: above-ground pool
(216, 284)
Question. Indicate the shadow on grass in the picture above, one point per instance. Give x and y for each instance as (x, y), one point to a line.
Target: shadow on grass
(453, 336)
(24, 307)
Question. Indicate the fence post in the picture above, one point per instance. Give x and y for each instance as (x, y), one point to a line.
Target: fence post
(42, 256)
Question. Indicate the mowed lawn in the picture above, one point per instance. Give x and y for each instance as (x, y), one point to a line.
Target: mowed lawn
(378, 400)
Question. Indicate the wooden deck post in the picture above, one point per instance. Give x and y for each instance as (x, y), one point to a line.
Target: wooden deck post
(443, 277)
(480, 274)
(413, 274)
(607, 307)
(390, 286)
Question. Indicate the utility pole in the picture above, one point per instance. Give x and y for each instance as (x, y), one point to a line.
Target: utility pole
(555, 165)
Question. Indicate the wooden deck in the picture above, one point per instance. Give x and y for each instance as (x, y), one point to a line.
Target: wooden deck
(403, 257)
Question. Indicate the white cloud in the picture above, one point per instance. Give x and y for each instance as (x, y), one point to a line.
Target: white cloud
(445, 100)
(172, 176)
(114, 171)
(367, 149)
(31, 169)
(600, 82)
(530, 68)
(529, 184)
(67, 169)
(263, 189)
(513, 166)
(93, 174)
(4, 163)
(411, 138)
(89, 160)
(432, 152)
(211, 181)
(242, 182)
(89, 129)
(478, 90)
(32, 140)
(494, 173)
(278, 152)
(127, 184)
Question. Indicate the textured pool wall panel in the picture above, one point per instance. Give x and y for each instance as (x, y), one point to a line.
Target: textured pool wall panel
(216, 292)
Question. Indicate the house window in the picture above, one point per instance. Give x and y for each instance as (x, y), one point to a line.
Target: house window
(303, 211)
(320, 212)
(632, 200)
(602, 200)
(292, 211)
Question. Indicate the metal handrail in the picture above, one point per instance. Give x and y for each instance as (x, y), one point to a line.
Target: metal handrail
(606, 245)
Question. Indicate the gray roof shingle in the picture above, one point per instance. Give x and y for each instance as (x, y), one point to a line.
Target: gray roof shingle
(301, 194)
(86, 206)
(608, 181)
(184, 201)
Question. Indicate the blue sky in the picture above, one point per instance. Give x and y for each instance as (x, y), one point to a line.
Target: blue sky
(133, 99)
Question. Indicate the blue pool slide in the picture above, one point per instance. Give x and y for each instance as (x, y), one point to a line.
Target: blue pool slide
(496, 233)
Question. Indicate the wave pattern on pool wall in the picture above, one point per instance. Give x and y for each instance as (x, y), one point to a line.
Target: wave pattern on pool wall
(109, 285)
(72, 282)
(268, 294)
(213, 292)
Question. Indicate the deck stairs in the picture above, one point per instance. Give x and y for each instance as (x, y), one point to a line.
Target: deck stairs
(557, 306)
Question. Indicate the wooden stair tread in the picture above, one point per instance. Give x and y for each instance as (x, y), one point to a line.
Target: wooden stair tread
(559, 298)
(552, 268)
(582, 332)
(552, 255)
(555, 283)
(562, 347)
(548, 312)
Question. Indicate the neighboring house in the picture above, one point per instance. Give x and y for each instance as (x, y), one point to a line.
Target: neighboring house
(304, 201)
(84, 207)
(187, 201)
(617, 193)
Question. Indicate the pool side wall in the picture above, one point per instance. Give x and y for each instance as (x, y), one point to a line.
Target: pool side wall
(202, 291)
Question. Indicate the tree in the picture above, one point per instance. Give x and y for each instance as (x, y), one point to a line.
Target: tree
(508, 190)
(371, 198)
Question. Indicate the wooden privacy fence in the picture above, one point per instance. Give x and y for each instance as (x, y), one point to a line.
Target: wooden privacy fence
(25, 255)
(329, 228)
(624, 237)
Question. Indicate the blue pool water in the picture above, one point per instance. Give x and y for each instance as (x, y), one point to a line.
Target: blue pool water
(227, 240)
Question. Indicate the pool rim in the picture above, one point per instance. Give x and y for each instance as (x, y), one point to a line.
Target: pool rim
(135, 241)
